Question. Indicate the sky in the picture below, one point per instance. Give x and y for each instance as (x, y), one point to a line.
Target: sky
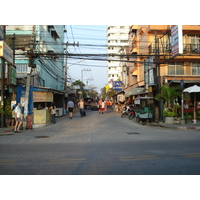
(92, 40)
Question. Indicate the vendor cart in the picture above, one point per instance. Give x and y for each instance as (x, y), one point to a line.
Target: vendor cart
(144, 109)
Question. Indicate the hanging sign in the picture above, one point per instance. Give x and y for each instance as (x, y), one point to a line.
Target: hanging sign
(6, 52)
(177, 40)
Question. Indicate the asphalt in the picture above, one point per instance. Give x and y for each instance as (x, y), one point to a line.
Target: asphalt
(9, 131)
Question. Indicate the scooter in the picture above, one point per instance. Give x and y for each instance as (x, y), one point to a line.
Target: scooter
(125, 111)
(131, 114)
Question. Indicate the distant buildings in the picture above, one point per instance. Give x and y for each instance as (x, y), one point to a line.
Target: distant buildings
(117, 41)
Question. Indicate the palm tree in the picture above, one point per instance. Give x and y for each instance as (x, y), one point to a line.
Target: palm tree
(168, 94)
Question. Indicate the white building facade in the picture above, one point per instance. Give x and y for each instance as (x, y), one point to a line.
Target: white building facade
(117, 41)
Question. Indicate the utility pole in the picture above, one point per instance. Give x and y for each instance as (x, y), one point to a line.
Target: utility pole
(29, 70)
(65, 73)
(3, 84)
(157, 48)
(82, 78)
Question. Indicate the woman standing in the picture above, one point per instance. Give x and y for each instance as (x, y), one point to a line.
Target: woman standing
(53, 113)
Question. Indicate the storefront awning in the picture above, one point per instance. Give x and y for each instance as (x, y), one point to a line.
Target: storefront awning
(134, 91)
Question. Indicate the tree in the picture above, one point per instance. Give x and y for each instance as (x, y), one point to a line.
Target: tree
(108, 94)
(78, 82)
(168, 94)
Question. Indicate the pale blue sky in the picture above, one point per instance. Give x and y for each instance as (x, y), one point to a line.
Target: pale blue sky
(93, 35)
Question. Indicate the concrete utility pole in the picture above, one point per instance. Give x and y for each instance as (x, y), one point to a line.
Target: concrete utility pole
(3, 84)
(82, 78)
(65, 73)
(29, 70)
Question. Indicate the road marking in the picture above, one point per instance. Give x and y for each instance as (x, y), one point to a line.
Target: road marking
(191, 155)
(7, 162)
(63, 161)
(134, 158)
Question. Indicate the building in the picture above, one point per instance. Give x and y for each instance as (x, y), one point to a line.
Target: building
(117, 41)
(153, 63)
(39, 52)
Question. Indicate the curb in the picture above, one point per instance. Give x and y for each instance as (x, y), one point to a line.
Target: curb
(184, 127)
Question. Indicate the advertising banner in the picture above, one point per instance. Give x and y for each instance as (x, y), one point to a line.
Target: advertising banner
(1, 33)
(42, 96)
(177, 40)
(6, 52)
(117, 85)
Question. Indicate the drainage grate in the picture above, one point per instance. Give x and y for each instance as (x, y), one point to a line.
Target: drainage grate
(41, 136)
(131, 133)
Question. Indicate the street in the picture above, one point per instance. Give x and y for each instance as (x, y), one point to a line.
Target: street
(100, 144)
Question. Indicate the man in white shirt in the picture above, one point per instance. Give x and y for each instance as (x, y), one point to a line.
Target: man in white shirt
(18, 118)
(81, 107)
(70, 108)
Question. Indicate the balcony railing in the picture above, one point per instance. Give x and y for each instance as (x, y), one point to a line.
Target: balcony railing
(166, 49)
(191, 49)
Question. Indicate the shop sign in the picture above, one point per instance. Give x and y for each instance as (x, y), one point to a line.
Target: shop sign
(177, 40)
(42, 96)
(6, 52)
(1, 33)
(117, 85)
(12, 75)
(151, 72)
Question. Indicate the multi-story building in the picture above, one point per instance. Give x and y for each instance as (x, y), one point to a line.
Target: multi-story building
(153, 64)
(49, 39)
(117, 41)
(39, 52)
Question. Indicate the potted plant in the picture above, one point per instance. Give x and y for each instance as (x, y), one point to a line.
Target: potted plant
(169, 116)
(168, 95)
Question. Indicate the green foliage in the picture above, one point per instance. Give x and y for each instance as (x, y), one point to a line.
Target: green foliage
(167, 113)
(78, 82)
(108, 94)
(168, 94)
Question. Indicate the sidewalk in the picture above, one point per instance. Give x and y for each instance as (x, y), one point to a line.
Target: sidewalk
(179, 126)
(6, 131)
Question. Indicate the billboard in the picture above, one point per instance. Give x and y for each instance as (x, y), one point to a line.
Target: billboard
(6, 52)
(177, 40)
(117, 85)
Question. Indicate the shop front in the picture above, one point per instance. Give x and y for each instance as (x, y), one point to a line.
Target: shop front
(41, 104)
(40, 100)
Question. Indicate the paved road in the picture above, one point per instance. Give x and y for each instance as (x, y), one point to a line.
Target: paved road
(100, 144)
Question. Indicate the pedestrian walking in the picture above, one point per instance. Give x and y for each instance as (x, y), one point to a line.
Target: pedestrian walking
(13, 118)
(103, 106)
(99, 103)
(81, 107)
(70, 108)
(53, 113)
(18, 119)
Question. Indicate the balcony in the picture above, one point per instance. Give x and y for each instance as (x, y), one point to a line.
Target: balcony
(187, 49)
(191, 49)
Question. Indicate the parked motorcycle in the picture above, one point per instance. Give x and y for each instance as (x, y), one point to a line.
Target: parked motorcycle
(125, 112)
(131, 114)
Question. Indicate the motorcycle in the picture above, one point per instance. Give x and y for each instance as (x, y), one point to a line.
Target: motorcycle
(125, 111)
(131, 114)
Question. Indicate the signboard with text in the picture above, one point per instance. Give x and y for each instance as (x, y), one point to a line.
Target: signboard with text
(1, 33)
(6, 52)
(42, 96)
(177, 40)
(117, 85)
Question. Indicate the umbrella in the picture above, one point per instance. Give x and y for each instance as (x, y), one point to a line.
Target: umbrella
(193, 89)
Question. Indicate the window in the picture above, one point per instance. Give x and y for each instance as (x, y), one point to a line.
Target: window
(195, 42)
(195, 68)
(176, 68)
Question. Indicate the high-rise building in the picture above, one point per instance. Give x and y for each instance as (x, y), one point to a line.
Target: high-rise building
(117, 41)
